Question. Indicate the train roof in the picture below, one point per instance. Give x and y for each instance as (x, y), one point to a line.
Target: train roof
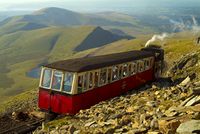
(96, 62)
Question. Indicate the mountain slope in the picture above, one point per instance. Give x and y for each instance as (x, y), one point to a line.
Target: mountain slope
(62, 17)
(98, 38)
(23, 51)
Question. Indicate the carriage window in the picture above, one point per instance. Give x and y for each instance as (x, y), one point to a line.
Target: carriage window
(57, 78)
(140, 66)
(114, 73)
(46, 80)
(120, 71)
(80, 83)
(130, 69)
(134, 71)
(151, 61)
(96, 79)
(147, 64)
(133, 68)
(103, 74)
(109, 75)
(85, 81)
(125, 70)
(90, 85)
(67, 86)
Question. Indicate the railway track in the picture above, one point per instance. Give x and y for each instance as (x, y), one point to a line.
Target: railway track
(22, 127)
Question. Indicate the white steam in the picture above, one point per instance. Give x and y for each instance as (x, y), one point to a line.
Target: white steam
(194, 21)
(155, 38)
(180, 25)
(195, 27)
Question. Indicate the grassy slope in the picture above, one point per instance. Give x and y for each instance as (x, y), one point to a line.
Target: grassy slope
(175, 46)
(22, 51)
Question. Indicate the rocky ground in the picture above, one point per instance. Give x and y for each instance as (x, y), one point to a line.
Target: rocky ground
(169, 105)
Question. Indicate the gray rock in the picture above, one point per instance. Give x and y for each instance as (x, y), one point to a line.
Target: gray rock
(186, 101)
(196, 91)
(197, 84)
(185, 81)
(193, 101)
(154, 124)
(151, 103)
(72, 129)
(89, 124)
(189, 127)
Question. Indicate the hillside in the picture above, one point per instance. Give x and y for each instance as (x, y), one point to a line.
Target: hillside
(155, 107)
(23, 51)
(62, 17)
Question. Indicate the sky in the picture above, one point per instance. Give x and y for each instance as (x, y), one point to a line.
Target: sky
(91, 5)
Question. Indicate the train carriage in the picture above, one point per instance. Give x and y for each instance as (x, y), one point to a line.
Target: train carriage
(71, 85)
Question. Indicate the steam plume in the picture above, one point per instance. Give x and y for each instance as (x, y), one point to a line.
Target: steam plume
(155, 38)
(194, 21)
(195, 27)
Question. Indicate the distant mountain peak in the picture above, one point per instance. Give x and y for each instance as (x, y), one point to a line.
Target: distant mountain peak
(51, 10)
(98, 38)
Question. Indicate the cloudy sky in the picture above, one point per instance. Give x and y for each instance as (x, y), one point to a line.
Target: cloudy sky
(91, 4)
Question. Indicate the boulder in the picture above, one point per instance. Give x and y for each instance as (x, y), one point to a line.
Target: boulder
(168, 127)
(189, 127)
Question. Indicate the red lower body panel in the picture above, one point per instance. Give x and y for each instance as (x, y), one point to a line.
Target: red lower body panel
(62, 103)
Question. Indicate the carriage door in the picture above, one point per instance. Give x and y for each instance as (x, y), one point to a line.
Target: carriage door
(54, 100)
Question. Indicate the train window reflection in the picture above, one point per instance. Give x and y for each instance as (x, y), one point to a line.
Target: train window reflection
(46, 80)
(90, 80)
(67, 86)
(85, 81)
(140, 66)
(57, 78)
(96, 79)
(114, 73)
(125, 70)
(103, 74)
(80, 83)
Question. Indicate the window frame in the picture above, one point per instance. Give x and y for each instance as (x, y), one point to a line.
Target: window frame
(127, 70)
(98, 78)
(72, 84)
(141, 64)
(111, 72)
(88, 81)
(80, 75)
(117, 73)
(95, 84)
(145, 64)
(42, 77)
(60, 90)
(151, 59)
(106, 82)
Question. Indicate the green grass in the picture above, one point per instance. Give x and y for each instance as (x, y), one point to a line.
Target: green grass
(22, 51)
(27, 49)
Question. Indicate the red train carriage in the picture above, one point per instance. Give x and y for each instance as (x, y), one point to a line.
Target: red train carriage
(71, 85)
